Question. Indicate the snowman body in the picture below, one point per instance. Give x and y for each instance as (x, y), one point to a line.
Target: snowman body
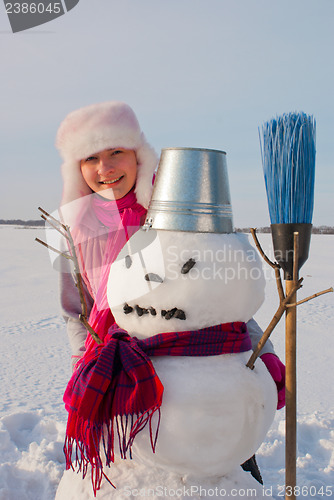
(215, 411)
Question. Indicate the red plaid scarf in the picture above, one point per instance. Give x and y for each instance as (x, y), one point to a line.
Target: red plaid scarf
(117, 389)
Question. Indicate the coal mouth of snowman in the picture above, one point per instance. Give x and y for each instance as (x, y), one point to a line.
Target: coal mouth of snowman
(165, 313)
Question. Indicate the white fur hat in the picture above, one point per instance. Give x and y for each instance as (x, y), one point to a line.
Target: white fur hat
(97, 127)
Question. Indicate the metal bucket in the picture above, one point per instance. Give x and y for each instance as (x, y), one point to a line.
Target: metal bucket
(191, 192)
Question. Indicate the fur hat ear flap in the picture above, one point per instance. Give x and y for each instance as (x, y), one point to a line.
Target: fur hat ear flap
(74, 184)
(147, 162)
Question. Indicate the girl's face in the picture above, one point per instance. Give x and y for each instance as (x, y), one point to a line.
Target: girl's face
(114, 169)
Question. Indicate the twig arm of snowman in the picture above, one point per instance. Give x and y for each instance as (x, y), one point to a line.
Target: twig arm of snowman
(274, 265)
(283, 304)
(277, 316)
(310, 297)
(66, 233)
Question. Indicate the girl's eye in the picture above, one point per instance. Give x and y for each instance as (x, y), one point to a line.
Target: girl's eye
(116, 152)
(91, 158)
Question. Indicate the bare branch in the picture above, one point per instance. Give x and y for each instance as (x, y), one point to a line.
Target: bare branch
(74, 259)
(279, 283)
(258, 246)
(83, 315)
(54, 226)
(84, 321)
(53, 218)
(310, 297)
(274, 265)
(77, 275)
(277, 316)
(69, 257)
(266, 334)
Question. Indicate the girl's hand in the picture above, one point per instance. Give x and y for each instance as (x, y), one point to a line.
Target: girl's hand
(277, 370)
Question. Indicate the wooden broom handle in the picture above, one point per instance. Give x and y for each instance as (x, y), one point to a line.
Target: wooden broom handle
(291, 382)
(290, 396)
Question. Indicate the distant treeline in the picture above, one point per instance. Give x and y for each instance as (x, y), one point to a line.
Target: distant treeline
(266, 229)
(19, 222)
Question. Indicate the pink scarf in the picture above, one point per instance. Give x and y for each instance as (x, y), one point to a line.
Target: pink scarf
(99, 237)
(122, 219)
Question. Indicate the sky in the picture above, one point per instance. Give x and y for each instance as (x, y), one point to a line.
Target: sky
(198, 73)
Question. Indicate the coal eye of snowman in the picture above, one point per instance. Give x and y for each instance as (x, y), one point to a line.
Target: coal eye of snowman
(153, 277)
(128, 261)
(188, 265)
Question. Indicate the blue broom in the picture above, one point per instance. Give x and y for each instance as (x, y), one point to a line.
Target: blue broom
(288, 157)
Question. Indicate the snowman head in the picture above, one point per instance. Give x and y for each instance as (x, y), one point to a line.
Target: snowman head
(175, 281)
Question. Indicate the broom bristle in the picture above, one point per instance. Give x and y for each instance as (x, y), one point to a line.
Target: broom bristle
(288, 158)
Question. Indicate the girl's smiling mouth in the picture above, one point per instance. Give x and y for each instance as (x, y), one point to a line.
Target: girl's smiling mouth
(112, 181)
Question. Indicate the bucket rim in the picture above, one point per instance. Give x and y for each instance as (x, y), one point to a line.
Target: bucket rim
(179, 148)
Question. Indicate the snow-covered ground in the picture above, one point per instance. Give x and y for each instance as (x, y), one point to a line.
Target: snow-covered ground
(35, 367)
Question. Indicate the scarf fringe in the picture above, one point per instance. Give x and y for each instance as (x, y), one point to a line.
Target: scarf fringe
(86, 448)
(141, 422)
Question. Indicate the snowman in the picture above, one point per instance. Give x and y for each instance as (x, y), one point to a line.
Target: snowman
(198, 289)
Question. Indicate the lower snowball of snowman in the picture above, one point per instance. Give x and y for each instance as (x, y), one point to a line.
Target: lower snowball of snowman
(209, 426)
(215, 414)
